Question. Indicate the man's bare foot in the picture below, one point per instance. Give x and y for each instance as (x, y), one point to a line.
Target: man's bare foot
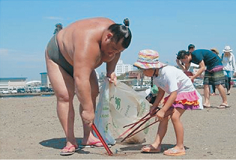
(206, 105)
(93, 141)
(151, 149)
(174, 151)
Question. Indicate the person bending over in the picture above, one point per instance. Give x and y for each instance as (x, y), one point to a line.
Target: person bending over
(72, 55)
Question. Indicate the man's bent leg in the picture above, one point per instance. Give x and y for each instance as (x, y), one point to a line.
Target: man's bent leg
(63, 86)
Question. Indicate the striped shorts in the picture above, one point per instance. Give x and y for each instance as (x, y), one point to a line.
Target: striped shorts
(214, 76)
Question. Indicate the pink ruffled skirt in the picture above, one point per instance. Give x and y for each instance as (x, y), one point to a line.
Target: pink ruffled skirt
(185, 100)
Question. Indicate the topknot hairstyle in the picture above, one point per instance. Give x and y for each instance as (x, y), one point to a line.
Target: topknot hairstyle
(121, 32)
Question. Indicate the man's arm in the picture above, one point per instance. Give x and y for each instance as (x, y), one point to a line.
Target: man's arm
(201, 69)
(111, 68)
(86, 54)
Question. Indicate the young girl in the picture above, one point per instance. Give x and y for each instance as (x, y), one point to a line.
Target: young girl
(182, 96)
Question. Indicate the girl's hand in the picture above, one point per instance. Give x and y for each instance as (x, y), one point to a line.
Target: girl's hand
(152, 109)
(160, 115)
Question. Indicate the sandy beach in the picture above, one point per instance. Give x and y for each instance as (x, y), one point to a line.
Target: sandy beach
(30, 129)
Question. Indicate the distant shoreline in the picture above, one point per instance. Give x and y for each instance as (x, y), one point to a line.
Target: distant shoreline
(26, 94)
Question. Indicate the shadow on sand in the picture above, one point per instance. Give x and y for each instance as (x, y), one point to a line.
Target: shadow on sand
(138, 147)
(59, 143)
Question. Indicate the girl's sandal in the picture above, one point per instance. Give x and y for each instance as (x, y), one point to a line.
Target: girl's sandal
(174, 152)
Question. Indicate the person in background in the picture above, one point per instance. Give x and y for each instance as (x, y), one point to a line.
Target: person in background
(58, 28)
(213, 87)
(72, 55)
(228, 61)
(213, 67)
(191, 48)
(182, 96)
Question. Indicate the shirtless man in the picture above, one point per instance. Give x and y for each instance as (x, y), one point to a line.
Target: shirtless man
(72, 55)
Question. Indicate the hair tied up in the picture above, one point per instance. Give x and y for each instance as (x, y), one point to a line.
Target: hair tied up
(126, 22)
(121, 32)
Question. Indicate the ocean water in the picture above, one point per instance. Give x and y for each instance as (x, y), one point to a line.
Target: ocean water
(24, 96)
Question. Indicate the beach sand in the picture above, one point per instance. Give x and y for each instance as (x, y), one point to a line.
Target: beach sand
(30, 129)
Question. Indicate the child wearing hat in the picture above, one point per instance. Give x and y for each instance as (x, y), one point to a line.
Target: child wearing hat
(182, 96)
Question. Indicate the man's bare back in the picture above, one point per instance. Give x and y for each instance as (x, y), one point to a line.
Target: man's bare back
(72, 40)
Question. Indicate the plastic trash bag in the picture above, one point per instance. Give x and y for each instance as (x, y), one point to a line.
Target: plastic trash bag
(126, 106)
(102, 114)
(199, 100)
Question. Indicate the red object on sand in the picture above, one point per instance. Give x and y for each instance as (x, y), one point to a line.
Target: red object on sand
(102, 140)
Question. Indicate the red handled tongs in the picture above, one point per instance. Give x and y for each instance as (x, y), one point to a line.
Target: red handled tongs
(102, 140)
(141, 122)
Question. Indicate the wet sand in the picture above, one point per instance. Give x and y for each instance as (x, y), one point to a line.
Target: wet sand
(30, 129)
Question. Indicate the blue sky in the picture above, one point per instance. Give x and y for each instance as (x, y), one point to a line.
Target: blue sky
(163, 25)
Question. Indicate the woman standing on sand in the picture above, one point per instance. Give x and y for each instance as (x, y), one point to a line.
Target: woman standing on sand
(228, 61)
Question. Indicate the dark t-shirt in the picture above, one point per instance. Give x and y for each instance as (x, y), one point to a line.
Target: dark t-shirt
(209, 58)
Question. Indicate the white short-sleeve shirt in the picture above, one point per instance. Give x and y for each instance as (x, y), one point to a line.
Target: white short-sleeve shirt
(172, 79)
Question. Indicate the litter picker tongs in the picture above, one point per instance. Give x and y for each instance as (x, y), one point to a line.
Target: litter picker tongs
(109, 152)
(141, 122)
